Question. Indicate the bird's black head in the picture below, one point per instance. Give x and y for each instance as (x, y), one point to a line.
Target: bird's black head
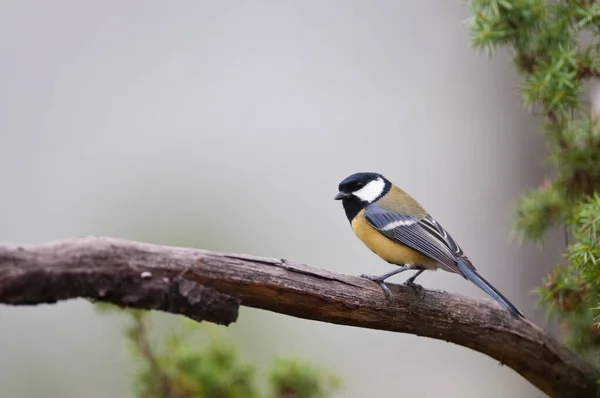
(359, 190)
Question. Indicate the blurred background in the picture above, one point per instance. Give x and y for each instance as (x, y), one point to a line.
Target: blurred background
(227, 126)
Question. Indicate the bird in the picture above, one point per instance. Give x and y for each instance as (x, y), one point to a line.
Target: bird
(398, 229)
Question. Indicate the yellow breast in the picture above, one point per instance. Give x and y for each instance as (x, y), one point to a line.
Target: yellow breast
(390, 251)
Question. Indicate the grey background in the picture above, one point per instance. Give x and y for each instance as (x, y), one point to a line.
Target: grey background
(227, 126)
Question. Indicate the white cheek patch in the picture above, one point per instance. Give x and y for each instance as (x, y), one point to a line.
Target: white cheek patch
(371, 191)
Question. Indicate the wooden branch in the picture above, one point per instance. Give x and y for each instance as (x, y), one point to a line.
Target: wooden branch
(209, 286)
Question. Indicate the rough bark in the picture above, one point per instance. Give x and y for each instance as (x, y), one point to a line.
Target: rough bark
(210, 286)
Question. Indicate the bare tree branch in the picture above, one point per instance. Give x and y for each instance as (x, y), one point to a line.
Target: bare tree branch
(209, 286)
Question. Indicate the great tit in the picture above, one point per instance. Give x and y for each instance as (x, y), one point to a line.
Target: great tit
(395, 226)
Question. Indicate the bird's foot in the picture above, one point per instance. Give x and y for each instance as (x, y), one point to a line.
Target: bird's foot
(374, 278)
(415, 286)
(379, 280)
(387, 292)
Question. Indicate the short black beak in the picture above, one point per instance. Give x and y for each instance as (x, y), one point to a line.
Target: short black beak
(342, 195)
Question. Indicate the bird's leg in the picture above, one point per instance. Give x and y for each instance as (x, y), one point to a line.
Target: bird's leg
(380, 278)
(411, 281)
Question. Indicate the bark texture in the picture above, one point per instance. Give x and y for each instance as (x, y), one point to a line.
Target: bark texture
(210, 286)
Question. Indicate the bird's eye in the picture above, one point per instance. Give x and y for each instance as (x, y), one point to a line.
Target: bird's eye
(360, 185)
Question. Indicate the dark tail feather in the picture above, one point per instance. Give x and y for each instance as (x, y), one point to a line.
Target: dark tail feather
(484, 285)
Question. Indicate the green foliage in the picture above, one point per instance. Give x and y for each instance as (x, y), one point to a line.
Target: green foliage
(183, 367)
(291, 377)
(554, 61)
(585, 254)
(184, 370)
(539, 210)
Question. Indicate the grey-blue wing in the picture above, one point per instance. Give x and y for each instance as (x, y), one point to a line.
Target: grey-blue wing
(424, 235)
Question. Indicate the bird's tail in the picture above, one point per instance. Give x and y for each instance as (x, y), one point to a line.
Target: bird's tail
(484, 285)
